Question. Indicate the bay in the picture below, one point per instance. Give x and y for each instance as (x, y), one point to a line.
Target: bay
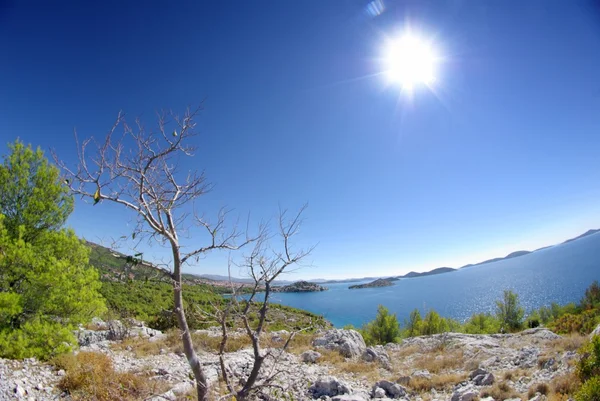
(557, 274)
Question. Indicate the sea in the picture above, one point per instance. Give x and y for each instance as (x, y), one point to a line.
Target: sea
(556, 274)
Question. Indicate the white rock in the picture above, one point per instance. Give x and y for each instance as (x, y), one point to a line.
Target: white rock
(349, 343)
(310, 356)
(378, 392)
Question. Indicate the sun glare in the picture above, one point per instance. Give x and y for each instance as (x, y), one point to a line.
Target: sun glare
(410, 61)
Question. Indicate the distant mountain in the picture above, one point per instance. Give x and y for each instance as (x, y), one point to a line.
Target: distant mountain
(511, 255)
(380, 282)
(585, 234)
(439, 270)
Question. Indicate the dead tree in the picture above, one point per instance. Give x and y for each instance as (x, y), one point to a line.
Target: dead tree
(140, 171)
(264, 264)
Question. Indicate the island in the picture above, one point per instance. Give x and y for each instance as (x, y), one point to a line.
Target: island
(381, 282)
(300, 286)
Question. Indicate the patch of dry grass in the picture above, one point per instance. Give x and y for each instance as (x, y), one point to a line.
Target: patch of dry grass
(569, 342)
(541, 388)
(408, 351)
(437, 362)
(499, 391)
(91, 376)
(565, 385)
(437, 382)
(515, 374)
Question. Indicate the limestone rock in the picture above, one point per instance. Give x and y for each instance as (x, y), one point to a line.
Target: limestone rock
(310, 356)
(349, 343)
(329, 386)
(392, 390)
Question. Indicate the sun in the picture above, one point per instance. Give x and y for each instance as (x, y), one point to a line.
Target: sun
(409, 61)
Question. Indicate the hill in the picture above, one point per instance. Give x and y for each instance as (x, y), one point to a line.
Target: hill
(300, 286)
(381, 282)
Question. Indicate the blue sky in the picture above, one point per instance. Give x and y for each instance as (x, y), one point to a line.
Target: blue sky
(501, 154)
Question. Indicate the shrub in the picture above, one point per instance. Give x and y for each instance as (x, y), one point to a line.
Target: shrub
(36, 339)
(509, 311)
(591, 299)
(582, 323)
(384, 329)
(590, 390)
(482, 323)
(589, 364)
(413, 324)
(433, 323)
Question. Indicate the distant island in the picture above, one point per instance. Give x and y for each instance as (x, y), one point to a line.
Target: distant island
(439, 270)
(300, 286)
(380, 282)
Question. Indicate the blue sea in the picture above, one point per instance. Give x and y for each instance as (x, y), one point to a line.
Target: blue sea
(557, 274)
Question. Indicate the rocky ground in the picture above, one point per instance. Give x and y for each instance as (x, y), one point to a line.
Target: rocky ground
(330, 365)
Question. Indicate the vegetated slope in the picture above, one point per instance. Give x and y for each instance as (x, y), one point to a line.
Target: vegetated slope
(300, 286)
(381, 282)
(142, 291)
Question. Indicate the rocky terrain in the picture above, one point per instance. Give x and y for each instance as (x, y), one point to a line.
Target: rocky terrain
(300, 286)
(381, 282)
(329, 365)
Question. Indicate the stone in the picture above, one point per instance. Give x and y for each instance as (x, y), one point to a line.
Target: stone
(392, 390)
(348, 343)
(19, 391)
(351, 397)
(329, 386)
(310, 356)
(377, 354)
(378, 392)
(477, 372)
(595, 332)
(421, 374)
(182, 388)
(538, 397)
(465, 393)
(482, 378)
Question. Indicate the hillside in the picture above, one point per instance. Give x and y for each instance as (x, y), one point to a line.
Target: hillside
(381, 282)
(300, 286)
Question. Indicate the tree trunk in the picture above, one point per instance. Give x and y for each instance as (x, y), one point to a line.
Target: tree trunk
(186, 337)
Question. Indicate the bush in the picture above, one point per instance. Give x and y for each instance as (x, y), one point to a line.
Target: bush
(590, 390)
(509, 311)
(482, 323)
(591, 299)
(42, 340)
(589, 364)
(433, 323)
(582, 323)
(413, 324)
(384, 329)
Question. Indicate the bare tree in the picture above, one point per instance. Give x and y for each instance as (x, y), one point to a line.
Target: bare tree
(140, 171)
(264, 264)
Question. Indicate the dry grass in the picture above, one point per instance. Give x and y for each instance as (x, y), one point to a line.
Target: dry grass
(438, 362)
(407, 351)
(142, 347)
(91, 376)
(300, 343)
(566, 384)
(437, 382)
(515, 374)
(330, 357)
(338, 364)
(541, 388)
(569, 342)
(499, 391)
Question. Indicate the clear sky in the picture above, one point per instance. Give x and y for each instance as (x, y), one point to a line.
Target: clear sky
(501, 154)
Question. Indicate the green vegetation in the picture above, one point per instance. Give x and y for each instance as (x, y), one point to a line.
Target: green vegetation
(510, 316)
(46, 284)
(588, 371)
(384, 329)
(510, 312)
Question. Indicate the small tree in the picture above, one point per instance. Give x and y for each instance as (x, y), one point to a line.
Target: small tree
(509, 311)
(46, 285)
(264, 264)
(141, 171)
(591, 299)
(413, 325)
(384, 329)
(32, 197)
(433, 323)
